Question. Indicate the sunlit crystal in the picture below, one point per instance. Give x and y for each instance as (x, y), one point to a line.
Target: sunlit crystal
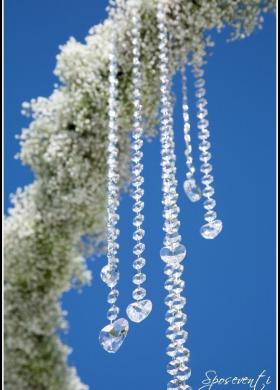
(192, 190)
(184, 373)
(173, 256)
(109, 275)
(212, 229)
(112, 336)
(139, 311)
(173, 367)
(139, 293)
(113, 313)
(113, 296)
(139, 278)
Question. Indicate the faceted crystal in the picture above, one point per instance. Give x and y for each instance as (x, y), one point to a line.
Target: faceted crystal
(139, 263)
(138, 234)
(173, 385)
(173, 256)
(113, 313)
(139, 278)
(139, 293)
(184, 373)
(172, 367)
(113, 296)
(109, 275)
(192, 190)
(139, 249)
(138, 311)
(211, 229)
(112, 336)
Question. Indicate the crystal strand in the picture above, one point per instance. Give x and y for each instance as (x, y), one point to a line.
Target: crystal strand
(191, 188)
(213, 226)
(111, 336)
(173, 251)
(140, 309)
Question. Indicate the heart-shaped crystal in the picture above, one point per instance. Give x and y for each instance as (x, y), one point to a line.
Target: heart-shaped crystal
(138, 311)
(192, 190)
(212, 229)
(112, 336)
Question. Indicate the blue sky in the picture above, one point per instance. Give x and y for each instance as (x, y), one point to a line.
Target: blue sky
(230, 282)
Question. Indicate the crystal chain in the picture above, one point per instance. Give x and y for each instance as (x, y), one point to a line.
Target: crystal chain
(173, 252)
(138, 311)
(110, 273)
(192, 190)
(213, 225)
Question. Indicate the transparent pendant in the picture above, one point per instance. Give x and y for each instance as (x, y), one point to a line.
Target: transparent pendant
(139, 311)
(112, 336)
(211, 229)
(192, 190)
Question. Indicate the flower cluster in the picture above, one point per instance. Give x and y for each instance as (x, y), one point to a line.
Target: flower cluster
(65, 145)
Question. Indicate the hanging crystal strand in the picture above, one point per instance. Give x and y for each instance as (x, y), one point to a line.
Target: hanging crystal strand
(173, 251)
(140, 309)
(112, 336)
(191, 188)
(213, 226)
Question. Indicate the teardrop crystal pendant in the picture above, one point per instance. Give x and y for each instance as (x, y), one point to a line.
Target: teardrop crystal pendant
(112, 336)
(139, 311)
(192, 190)
(212, 229)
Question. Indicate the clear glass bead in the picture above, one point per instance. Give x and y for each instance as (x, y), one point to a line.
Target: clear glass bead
(113, 296)
(139, 278)
(184, 372)
(138, 220)
(139, 248)
(209, 204)
(138, 234)
(182, 354)
(173, 367)
(179, 302)
(113, 313)
(210, 216)
(139, 293)
(109, 275)
(139, 263)
(138, 206)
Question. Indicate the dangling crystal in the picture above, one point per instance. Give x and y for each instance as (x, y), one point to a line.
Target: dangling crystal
(109, 275)
(112, 336)
(139, 311)
(173, 256)
(192, 190)
(211, 229)
(139, 293)
(173, 367)
(113, 313)
(184, 373)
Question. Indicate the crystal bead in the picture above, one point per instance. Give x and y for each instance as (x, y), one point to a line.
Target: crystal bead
(179, 319)
(137, 181)
(172, 269)
(184, 373)
(113, 313)
(192, 190)
(138, 235)
(113, 296)
(180, 336)
(112, 336)
(179, 302)
(182, 354)
(139, 293)
(173, 385)
(171, 333)
(139, 311)
(139, 278)
(169, 299)
(138, 220)
(139, 249)
(109, 275)
(172, 349)
(206, 168)
(211, 229)
(138, 206)
(169, 316)
(209, 204)
(173, 367)
(208, 192)
(139, 263)
(173, 256)
(207, 180)
(210, 216)
(138, 193)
